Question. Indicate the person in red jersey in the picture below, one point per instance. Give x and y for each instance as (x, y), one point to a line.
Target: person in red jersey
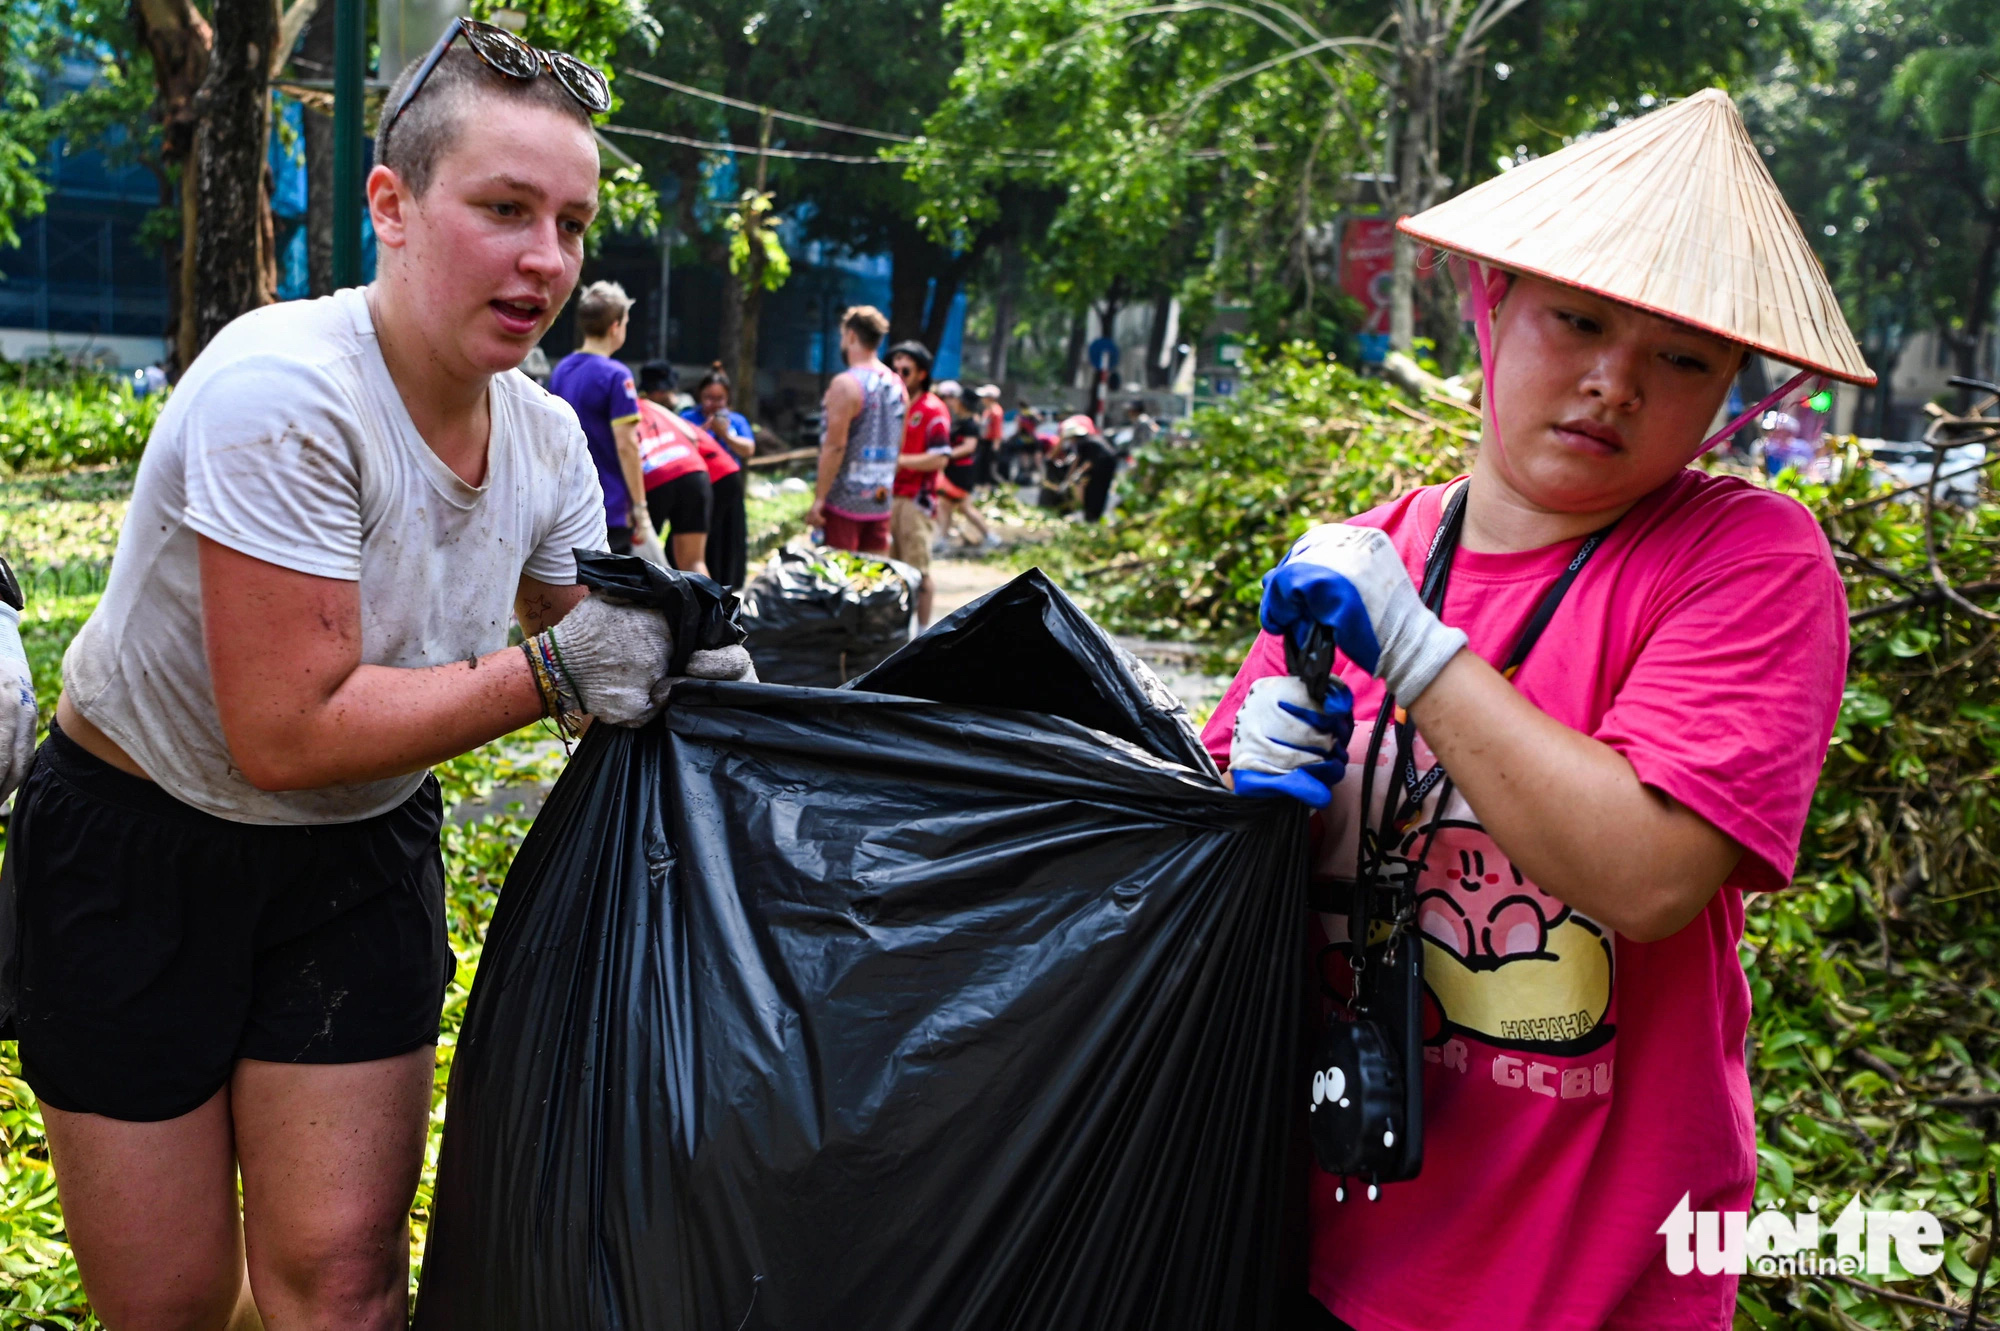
(926, 453)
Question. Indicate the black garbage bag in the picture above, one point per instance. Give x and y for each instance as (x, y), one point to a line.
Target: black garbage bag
(808, 623)
(832, 1009)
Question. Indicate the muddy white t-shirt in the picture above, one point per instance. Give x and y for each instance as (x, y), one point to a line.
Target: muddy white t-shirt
(288, 441)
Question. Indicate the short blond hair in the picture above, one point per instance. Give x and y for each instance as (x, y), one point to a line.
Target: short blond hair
(867, 323)
(601, 307)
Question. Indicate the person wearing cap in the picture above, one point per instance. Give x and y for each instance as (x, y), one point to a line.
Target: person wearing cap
(926, 453)
(992, 429)
(1099, 461)
(962, 472)
(1598, 686)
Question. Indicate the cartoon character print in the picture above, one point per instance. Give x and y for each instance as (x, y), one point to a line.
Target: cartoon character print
(1504, 962)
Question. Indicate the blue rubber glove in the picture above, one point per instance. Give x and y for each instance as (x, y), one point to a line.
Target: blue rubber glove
(1283, 745)
(1352, 580)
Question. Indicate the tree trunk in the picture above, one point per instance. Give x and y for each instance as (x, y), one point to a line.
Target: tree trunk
(232, 259)
(910, 272)
(745, 377)
(1002, 342)
(1885, 386)
(1979, 312)
(317, 57)
(170, 263)
(1157, 375)
(729, 337)
(1073, 353)
(743, 373)
(938, 318)
(1416, 165)
(178, 38)
(1409, 196)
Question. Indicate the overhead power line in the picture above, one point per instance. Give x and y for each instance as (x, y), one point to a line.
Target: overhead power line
(814, 122)
(711, 145)
(792, 116)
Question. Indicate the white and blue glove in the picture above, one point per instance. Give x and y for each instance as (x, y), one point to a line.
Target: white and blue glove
(17, 703)
(1283, 745)
(1352, 580)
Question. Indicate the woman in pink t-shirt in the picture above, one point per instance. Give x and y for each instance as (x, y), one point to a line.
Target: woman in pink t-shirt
(1611, 699)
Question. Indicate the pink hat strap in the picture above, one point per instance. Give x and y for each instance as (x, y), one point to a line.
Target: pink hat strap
(1783, 390)
(1488, 286)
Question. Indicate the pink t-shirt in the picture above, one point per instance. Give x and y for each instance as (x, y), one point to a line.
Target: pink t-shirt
(1577, 1083)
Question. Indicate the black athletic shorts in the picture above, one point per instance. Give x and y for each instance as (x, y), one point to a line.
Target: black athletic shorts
(159, 944)
(681, 507)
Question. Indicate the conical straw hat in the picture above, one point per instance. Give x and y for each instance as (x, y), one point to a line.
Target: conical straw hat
(1674, 213)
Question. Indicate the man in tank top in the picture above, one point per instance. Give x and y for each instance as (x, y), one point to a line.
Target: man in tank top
(864, 434)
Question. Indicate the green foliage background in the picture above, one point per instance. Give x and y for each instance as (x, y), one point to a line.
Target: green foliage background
(1874, 1037)
(94, 420)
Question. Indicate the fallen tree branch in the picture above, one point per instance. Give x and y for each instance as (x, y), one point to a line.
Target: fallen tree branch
(1983, 1100)
(1860, 504)
(1943, 583)
(1879, 1066)
(1892, 1296)
(780, 459)
(1416, 415)
(1928, 596)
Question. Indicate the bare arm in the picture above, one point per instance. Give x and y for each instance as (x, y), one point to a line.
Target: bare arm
(626, 434)
(842, 405)
(1570, 811)
(299, 710)
(539, 605)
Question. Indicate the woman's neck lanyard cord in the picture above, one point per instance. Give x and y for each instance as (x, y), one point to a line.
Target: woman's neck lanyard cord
(1408, 789)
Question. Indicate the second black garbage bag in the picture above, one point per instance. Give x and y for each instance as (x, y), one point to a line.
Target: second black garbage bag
(860, 1009)
(820, 616)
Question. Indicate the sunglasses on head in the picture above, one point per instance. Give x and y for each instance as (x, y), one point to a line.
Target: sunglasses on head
(501, 50)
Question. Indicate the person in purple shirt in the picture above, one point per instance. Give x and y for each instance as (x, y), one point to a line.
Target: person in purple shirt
(600, 389)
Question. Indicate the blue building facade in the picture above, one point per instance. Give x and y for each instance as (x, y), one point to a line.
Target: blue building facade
(83, 278)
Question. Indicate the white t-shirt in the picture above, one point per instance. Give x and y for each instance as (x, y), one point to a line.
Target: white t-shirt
(287, 441)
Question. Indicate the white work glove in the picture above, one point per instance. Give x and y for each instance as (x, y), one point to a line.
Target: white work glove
(723, 663)
(1351, 580)
(1283, 745)
(715, 663)
(17, 704)
(607, 659)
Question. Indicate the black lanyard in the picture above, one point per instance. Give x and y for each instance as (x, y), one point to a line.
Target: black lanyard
(1408, 790)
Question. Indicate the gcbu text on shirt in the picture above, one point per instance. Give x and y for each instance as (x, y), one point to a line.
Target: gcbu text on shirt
(1773, 1243)
(1528, 1075)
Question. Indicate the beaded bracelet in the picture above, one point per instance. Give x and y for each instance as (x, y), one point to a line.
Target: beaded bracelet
(549, 682)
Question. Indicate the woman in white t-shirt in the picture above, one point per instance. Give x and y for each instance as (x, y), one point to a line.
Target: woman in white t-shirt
(232, 951)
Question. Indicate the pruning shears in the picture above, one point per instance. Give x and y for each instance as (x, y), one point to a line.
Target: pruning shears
(1312, 660)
